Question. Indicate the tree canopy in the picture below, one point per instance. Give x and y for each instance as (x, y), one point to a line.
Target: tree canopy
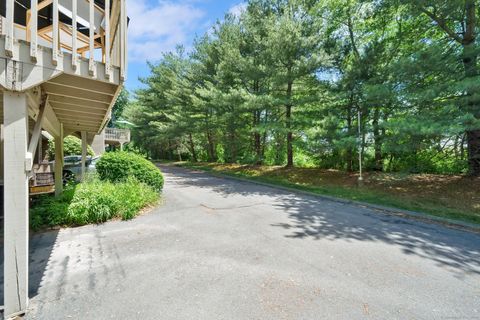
(313, 83)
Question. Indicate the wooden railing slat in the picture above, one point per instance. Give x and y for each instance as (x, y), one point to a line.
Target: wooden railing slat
(91, 64)
(9, 27)
(107, 38)
(55, 33)
(122, 39)
(74, 34)
(33, 29)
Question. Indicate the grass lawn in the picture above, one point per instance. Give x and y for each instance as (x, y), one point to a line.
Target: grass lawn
(447, 196)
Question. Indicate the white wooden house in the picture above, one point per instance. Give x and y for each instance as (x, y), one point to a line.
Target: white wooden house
(62, 65)
(111, 137)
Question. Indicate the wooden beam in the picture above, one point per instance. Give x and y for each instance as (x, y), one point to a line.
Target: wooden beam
(15, 204)
(55, 33)
(84, 153)
(81, 125)
(74, 35)
(70, 81)
(115, 17)
(51, 123)
(76, 120)
(108, 115)
(123, 38)
(32, 25)
(91, 64)
(80, 122)
(107, 40)
(79, 103)
(64, 109)
(9, 27)
(37, 130)
(72, 129)
(59, 162)
(44, 4)
(55, 89)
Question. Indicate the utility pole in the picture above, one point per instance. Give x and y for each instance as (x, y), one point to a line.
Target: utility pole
(360, 148)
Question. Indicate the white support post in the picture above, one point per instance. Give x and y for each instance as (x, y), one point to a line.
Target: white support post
(74, 35)
(84, 153)
(9, 15)
(91, 60)
(55, 33)
(59, 163)
(15, 110)
(33, 30)
(107, 39)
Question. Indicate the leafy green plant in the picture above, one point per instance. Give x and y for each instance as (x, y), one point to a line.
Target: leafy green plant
(72, 146)
(92, 201)
(120, 166)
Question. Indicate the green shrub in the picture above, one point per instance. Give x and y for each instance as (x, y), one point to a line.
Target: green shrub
(92, 201)
(72, 146)
(120, 166)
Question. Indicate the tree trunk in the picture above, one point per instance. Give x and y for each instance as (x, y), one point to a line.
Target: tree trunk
(473, 143)
(169, 151)
(289, 125)
(349, 148)
(233, 147)
(470, 56)
(192, 148)
(257, 138)
(264, 137)
(211, 147)
(377, 140)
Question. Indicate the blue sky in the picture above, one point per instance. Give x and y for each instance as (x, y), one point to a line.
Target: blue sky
(157, 26)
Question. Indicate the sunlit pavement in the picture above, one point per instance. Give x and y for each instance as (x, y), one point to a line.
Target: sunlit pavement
(222, 249)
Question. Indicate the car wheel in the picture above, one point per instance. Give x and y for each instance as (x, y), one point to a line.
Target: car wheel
(68, 176)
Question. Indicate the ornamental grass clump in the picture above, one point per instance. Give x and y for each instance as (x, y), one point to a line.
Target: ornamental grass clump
(92, 202)
(124, 184)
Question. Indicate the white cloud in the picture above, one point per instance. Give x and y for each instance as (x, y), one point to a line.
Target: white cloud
(238, 9)
(160, 26)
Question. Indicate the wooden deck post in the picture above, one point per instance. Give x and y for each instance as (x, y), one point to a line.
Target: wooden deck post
(84, 153)
(16, 203)
(74, 35)
(59, 163)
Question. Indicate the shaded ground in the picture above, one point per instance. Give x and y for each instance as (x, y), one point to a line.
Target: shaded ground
(449, 196)
(222, 249)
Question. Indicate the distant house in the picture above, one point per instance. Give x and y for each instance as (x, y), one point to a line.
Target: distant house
(62, 65)
(110, 137)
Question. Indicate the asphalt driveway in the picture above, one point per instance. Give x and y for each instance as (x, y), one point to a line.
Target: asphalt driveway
(222, 249)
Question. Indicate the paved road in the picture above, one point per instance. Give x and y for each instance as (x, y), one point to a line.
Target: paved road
(222, 249)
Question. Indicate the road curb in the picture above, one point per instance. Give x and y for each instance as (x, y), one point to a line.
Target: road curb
(385, 210)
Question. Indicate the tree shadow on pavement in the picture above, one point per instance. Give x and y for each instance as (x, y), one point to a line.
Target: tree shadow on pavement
(321, 219)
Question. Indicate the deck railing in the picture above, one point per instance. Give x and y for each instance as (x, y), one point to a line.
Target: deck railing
(82, 30)
(114, 134)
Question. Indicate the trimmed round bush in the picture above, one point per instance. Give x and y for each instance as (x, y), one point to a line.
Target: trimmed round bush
(120, 166)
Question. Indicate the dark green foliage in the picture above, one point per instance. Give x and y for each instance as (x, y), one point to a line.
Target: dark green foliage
(72, 146)
(285, 81)
(118, 108)
(120, 166)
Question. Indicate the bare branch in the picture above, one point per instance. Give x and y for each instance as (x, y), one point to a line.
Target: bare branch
(443, 25)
